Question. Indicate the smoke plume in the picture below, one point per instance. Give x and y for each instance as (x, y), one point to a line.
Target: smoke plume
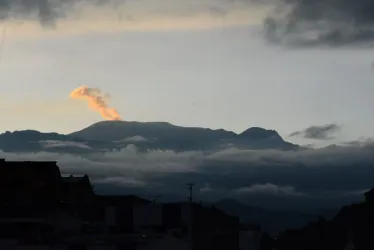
(96, 101)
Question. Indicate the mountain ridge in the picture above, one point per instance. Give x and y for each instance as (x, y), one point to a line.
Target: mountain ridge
(109, 135)
(272, 221)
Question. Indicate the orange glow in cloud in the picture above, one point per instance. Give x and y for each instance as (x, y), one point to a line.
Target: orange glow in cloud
(96, 101)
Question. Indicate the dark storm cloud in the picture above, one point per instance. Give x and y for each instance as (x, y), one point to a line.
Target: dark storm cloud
(322, 22)
(323, 132)
(332, 22)
(47, 12)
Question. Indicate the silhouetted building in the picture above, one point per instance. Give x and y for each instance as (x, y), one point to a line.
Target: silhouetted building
(80, 199)
(165, 242)
(203, 227)
(117, 211)
(77, 189)
(369, 195)
(250, 237)
(31, 201)
(30, 184)
(213, 229)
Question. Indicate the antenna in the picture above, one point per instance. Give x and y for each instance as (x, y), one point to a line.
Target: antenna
(190, 188)
(155, 198)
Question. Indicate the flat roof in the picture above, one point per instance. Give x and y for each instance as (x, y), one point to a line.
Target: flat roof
(32, 161)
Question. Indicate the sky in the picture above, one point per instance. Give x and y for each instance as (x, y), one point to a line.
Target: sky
(188, 64)
(302, 68)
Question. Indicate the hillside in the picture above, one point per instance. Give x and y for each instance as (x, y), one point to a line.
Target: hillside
(167, 136)
(271, 221)
(110, 135)
(354, 224)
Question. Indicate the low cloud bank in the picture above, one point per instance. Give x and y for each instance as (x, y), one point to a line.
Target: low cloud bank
(341, 171)
(63, 144)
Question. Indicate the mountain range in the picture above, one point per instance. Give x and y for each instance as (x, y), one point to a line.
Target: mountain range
(271, 220)
(111, 135)
(114, 135)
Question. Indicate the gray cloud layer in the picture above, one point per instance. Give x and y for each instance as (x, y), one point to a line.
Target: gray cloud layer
(332, 175)
(323, 132)
(322, 22)
(46, 11)
(49, 11)
(293, 22)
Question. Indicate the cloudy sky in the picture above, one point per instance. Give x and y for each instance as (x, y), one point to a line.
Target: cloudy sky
(304, 69)
(193, 63)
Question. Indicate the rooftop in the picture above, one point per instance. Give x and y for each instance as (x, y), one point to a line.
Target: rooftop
(122, 199)
(74, 179)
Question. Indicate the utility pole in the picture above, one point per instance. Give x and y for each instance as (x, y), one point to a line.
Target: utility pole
(191, 215)
(190, 188)
(155, 198)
